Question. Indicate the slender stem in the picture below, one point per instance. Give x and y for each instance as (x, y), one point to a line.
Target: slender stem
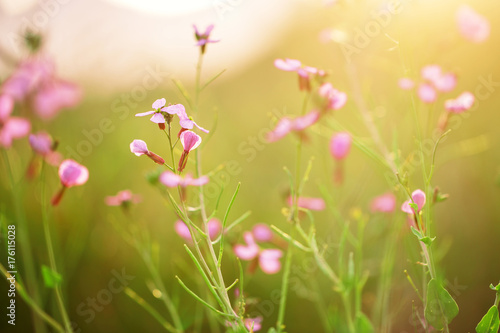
(32, 304)
(25, 244)
(50, 249)
(284, 285)
(348, 311)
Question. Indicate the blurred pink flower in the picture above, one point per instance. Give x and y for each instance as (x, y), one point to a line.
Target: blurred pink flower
(473, 26)
(203, 38)
(6, 106)
(185, 121)
(406, 83)
(418, 197)
(262, 232)
(308, 203)
(304, 72)
(71, 174)
(443, 82)
(54, 96)
(13, 128)
(190, 140)
(28, 77)
(139, 147)
(384, 203)
(286, 125)
(214, 229)
(427, 93)
(336, 99)
(124, 197)
(460, 104)
(340, 145)
(43, 144)
(253, 324)
(268, 259)
(170, 179)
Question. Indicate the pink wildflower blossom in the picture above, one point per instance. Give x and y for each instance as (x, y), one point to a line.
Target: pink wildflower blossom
(262, 232)
(308, 203)
(214, 229)
(71, 174)
(286, 125)
(203, 38)
(418, 197)
(340, 145)
(170, 179)
(190, 140)
(161, 113)
(139, 147)
(186, 122)
(473, 26)
(460, 104)
(384, 203)
(123, 198)
(304, 72)
(268, 259)
(11, 127)
(336, 98)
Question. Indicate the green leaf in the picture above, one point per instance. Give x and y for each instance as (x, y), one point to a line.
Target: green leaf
(363, 324)
(490, 322)
(271, 330)
(425, 239)
(50, 277)
(497, 288)
(440, 308)
(414, 206)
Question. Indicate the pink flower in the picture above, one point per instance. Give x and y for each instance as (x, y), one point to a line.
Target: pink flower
(336, 99)
(6, 106)
(308, 203)
(28, 77)
(185, 121)
(214, 229)
(418, 197)
(304, 72)
(473, 26)
(44, 146)
(190, 140)
(55, 96)
(286, 125)
(204, 38)
(406, 83)
(139, 147)
(460, 104)
(384, 203)
(170, 179)
(123, 198)
(340, 145)
(161, 114)
(262, 232)
(71, 174)
(13, 128)
(427, 93)
(443, 82)
(268, 259)
(253, 324)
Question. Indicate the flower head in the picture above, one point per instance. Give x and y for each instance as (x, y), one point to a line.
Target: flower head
(6, 106)
(203, 38)
(426, 93)
(73, 174)
(253, 324)
(139, 147)
(214, 228)
(308, 203)
(340, 145)
(186, 122)
(122, 198)
(13, 128)
(269, 259)
(170, 179)
(418, 198)
(473, 26)
(336, 99)
(161, 114)
(286, 125)
(304, 72)
(43, 145)
(406, 83)
(384, 203)
(189, 140)
(55, 96)
(262, 232)
(460, 104)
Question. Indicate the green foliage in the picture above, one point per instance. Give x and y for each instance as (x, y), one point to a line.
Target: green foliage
(51, 279)
(363, 324)
(425, 239)
(440, 308)
(490, 321)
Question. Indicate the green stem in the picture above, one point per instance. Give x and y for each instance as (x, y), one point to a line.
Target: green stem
(25, 244)
(33, 305)
(284, 285)
(50, 249)
(348, 311)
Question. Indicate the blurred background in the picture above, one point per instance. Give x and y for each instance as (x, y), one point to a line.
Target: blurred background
(125, 53)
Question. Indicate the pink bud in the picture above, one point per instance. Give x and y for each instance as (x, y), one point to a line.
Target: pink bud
(418, 197)
(384, 203)
(262, 232)
(340, 145)
(73, 174)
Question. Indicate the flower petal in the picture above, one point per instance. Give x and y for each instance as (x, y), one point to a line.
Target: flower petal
(262, 232)
(159, 103)
(158, 118)
(72, 174)
(289, 65)
(190, 140)
(142, 114)
(182, 230)
(139, 147)
(269, 261)
(170, 179)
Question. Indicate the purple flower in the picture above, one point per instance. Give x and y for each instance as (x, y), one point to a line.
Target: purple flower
(460, 104)
(340, 145)
(55, 96)
(418, 197)
(214, 228)
(304, 72)
(139, 147)
(262, 232)
(203, 38)
(308, 203)
(473, 26)
(71, 174)
(190, 140)
(161, 114)
(287, 125)
(13, 128)
(384, 203)
(269, 259)
(336, 99)
(170, 179)
(185, 121)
